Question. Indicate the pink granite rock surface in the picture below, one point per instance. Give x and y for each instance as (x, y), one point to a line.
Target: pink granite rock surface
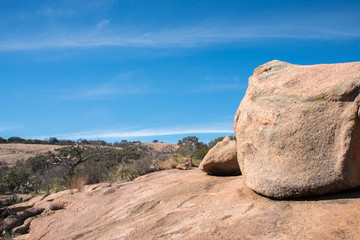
(298, 130)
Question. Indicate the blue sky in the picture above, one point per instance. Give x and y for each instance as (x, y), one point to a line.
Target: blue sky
(144, 70)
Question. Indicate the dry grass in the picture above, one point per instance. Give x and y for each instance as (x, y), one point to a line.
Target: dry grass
(125, 173)
(171, 163)
(77, 182)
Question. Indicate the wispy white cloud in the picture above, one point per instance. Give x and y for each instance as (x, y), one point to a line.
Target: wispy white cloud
(8, 128)
(219, 87)
(101, 91)
(128, 31)
(145, 132)
(123, 84)
(172, 38)
(219, 83)
(103, 23)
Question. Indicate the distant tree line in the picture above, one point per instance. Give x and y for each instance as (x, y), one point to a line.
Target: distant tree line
(51, 140)
(55, 141)
(191, 147)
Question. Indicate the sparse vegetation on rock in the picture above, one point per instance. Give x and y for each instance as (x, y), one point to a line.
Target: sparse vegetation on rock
(95, 161)
(13, 180)
(56, 170)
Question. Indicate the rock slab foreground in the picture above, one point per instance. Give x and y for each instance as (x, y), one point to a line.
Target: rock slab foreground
(174, 204)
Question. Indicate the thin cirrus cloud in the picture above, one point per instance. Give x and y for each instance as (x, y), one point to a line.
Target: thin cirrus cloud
(123, 84)
(172, 38)
(146, 132)
(219, 83)
(103, 23)
(100, 92)
(8, 128)
(219, 87)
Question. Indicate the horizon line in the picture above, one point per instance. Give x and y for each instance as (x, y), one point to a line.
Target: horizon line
(135, 134)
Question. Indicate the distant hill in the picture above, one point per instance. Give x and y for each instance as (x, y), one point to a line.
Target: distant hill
(10, 153)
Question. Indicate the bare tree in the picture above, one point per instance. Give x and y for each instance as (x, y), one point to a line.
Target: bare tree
(75, 156)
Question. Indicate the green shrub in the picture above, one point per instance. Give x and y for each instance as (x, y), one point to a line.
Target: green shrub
(190, 146)
(53, 141)
(16, 140)
(56, 185)
(14, 178)
(201, 153)
(37, 163)
(124, 172)
(219, 139)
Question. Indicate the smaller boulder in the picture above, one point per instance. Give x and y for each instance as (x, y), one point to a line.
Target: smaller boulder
(221, 160)
(185, 164)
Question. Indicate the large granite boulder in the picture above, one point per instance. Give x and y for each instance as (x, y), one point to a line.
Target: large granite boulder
(221, 160)
(298, 130)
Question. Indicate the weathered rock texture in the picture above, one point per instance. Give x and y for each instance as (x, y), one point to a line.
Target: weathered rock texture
(171, 205)
(298, 130)
(221, 160)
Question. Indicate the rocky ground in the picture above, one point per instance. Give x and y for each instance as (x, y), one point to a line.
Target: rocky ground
(189, 204)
